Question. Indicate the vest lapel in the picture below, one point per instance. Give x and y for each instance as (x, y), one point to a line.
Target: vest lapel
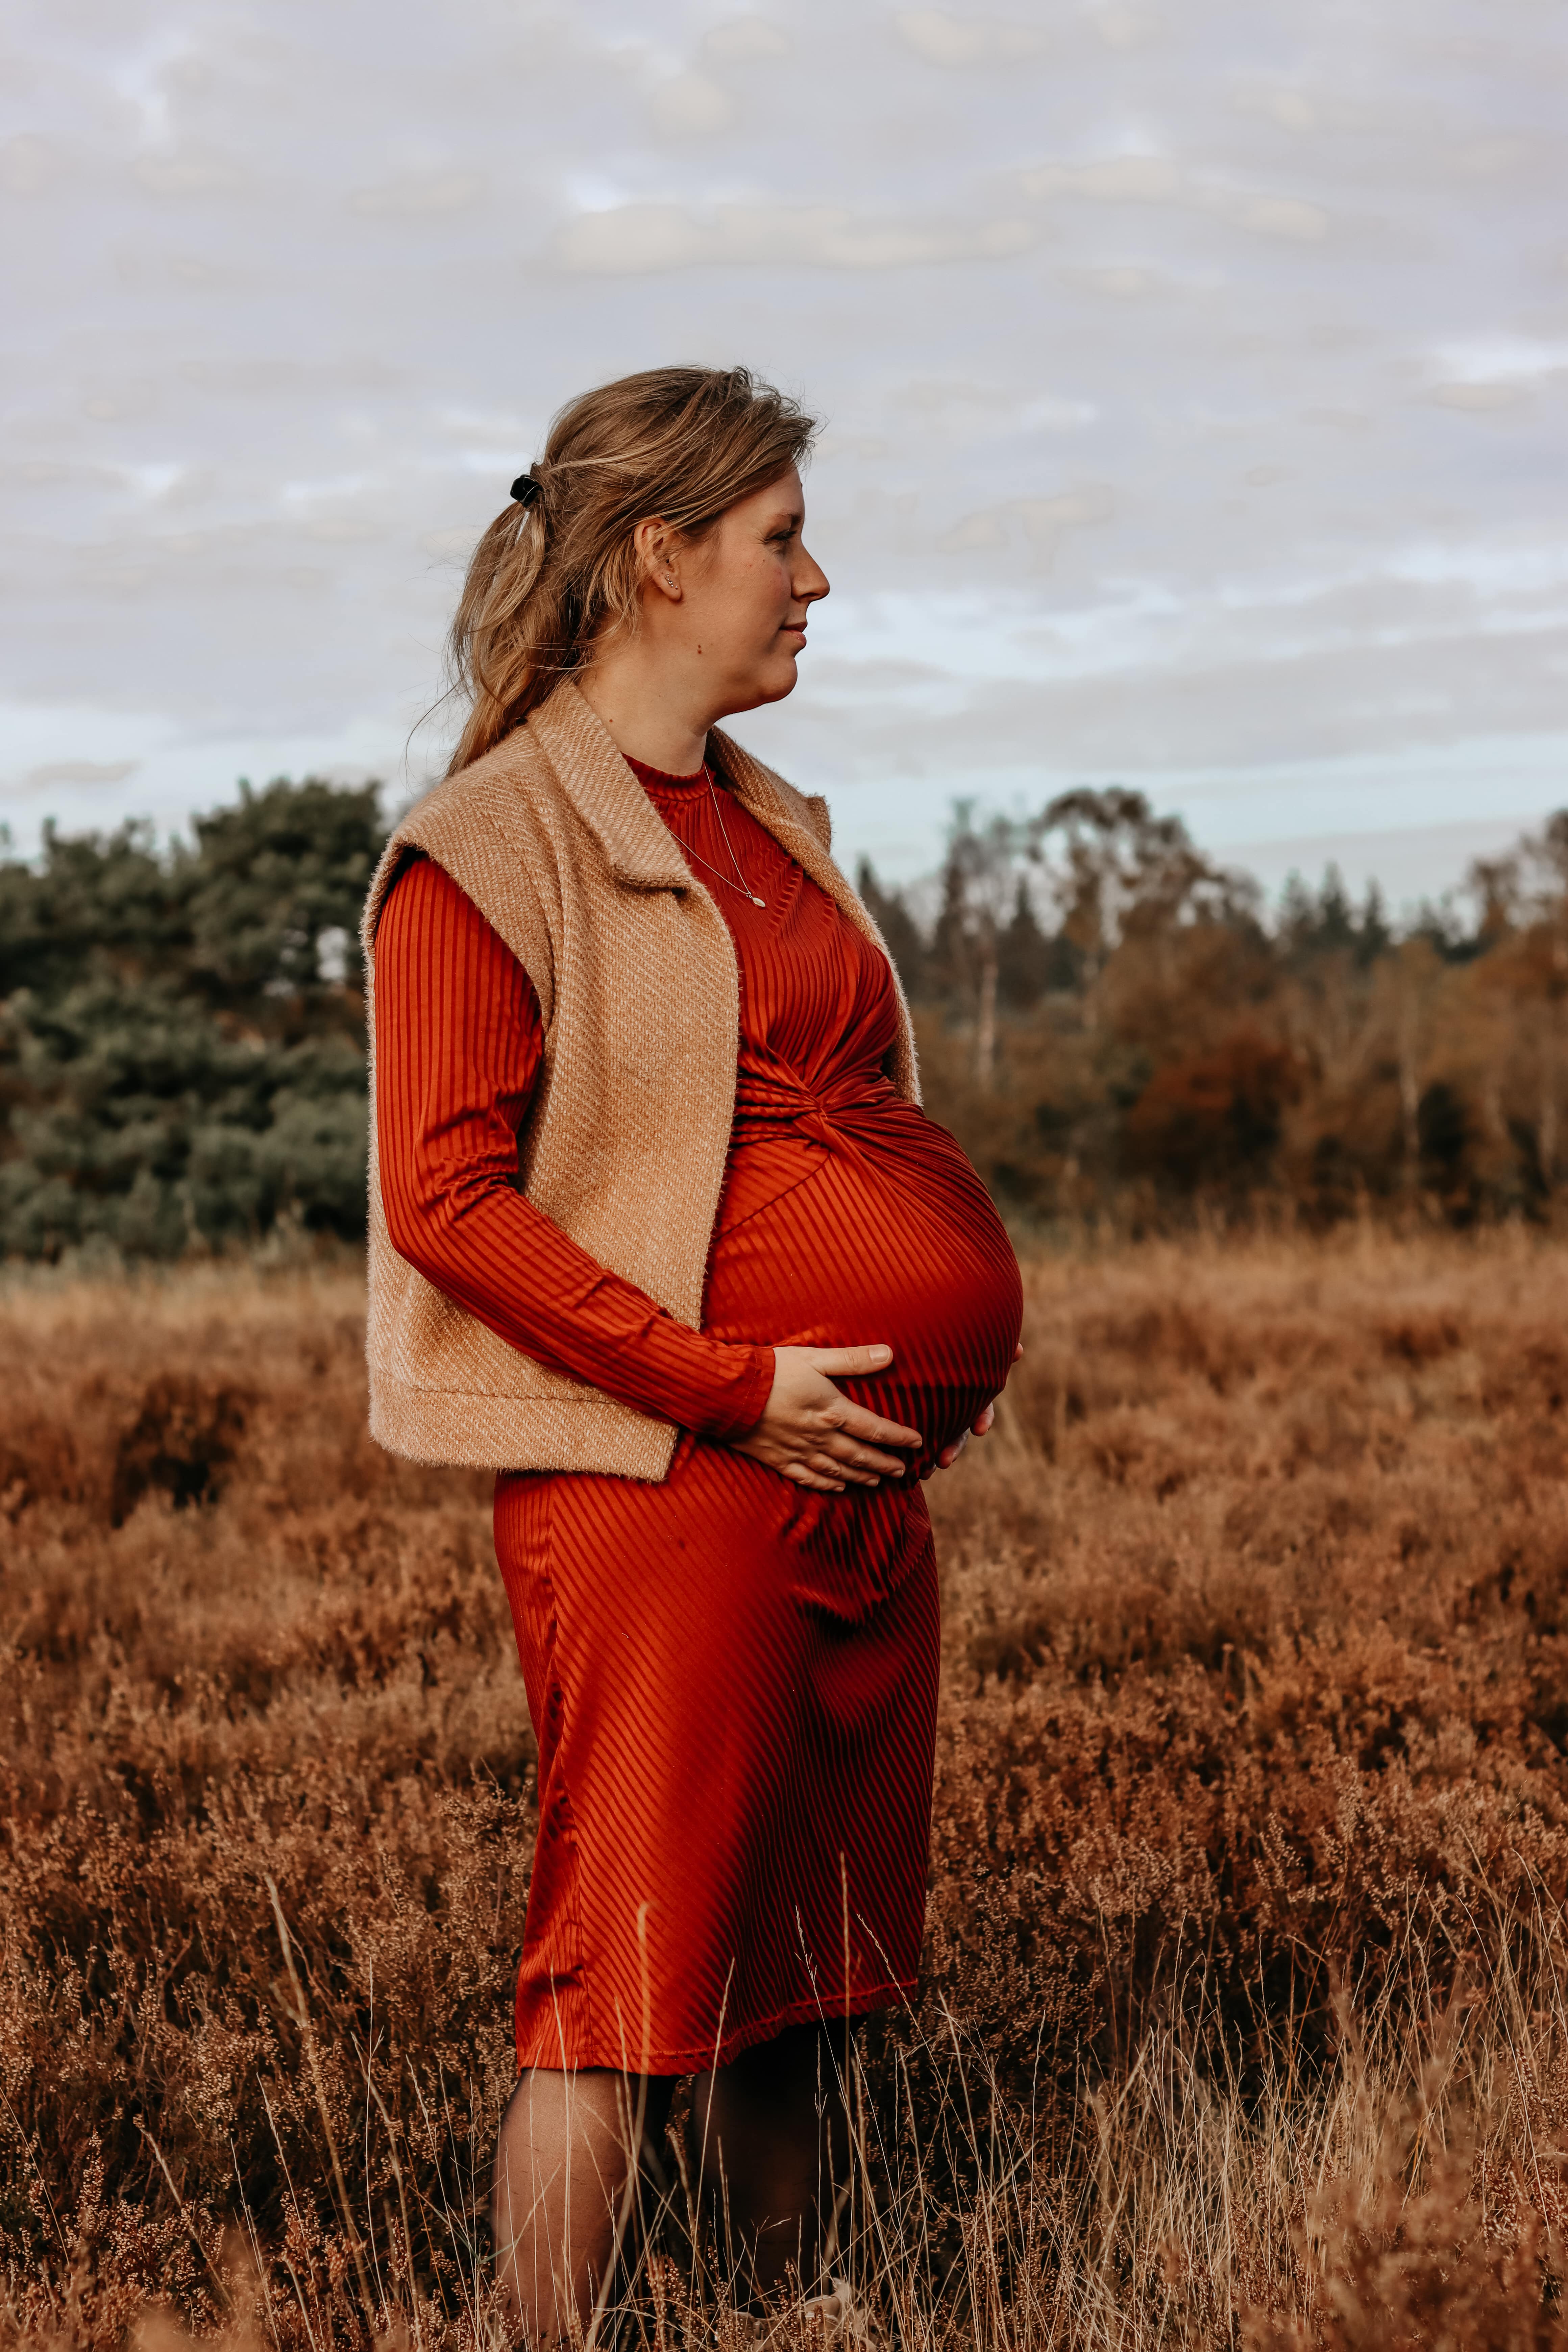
(641, 850)
(780, 813)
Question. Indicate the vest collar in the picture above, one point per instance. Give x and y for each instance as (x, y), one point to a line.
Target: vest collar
(757, 792)
(641, 850)
(638, 845)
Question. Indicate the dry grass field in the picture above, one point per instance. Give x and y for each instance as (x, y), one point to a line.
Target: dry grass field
(1244, 2017)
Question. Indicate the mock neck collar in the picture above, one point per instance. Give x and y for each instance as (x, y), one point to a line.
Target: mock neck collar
(661, 778)
(594, 775)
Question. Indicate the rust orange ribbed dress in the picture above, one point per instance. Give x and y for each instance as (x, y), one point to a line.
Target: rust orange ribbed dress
(732, 1680)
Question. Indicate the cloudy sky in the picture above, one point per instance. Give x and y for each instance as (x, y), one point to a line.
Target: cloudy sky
(1192, 374)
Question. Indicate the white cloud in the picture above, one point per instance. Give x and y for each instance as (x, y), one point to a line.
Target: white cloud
(1126, 280)
(1290, 216)
(1113, 179)
(112, 400)
(190, 172)
(1489, 375)
(153, 481)
(1477, 399)
(1287, 104)
(690, 106)
(1124, 29)
(1045, 519)
(415, 196)
(1505, 358)
(985, 529)
(1481, 159)
(30, 165)
(967, 40)
(631, 239)
(54, 773)
(742, 39)
(1154, 179)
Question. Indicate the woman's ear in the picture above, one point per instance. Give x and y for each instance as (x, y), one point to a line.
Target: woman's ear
(658, 556)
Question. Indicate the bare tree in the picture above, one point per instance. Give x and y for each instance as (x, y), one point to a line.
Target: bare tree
(1112, 867)
(982, 879)
(1115, 867)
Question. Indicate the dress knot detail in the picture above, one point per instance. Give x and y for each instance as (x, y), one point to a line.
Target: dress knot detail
(833, 1116)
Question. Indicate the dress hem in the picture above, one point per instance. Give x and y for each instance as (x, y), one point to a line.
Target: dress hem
(744, 2038)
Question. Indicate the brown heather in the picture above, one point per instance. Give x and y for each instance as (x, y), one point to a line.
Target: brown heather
(1245, 2019)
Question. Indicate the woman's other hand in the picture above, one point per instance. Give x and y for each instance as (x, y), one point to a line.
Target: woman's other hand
(812, 1432)
(977, 1427)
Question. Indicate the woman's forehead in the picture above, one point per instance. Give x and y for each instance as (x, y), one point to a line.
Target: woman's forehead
(777, 501)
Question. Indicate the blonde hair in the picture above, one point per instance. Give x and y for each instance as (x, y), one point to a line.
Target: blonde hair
(550, 579)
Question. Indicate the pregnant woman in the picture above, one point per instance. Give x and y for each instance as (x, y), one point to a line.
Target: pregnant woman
(659, 1232)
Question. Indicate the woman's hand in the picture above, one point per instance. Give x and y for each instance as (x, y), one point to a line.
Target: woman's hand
(977, 1427)
(812, 1432)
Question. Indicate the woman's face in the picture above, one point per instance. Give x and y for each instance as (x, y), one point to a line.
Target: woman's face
(745, 591)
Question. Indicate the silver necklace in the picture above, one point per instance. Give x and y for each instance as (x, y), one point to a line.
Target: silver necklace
(740, 881)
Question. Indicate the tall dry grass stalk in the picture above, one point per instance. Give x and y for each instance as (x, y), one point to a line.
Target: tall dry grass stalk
(1243, 2018)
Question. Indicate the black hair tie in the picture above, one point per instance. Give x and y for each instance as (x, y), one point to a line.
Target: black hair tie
(526, 488)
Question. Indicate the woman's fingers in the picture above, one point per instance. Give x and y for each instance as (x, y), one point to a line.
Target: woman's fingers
(840, 1474)
(870, 1428)
(821, 1471)
(870, 1465)
(884, 1463)
(800, 1476)
(844, 1363)
(836, 1464)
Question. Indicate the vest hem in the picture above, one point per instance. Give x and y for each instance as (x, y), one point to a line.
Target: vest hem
(591, 1433)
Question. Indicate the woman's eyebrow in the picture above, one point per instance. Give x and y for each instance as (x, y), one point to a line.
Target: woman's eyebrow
(792, 516)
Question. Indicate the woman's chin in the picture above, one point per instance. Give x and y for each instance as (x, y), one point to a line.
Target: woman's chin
(779, 679)
(771, 685)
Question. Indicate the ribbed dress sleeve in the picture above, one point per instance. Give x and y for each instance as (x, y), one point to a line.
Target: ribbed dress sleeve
(458, 1047)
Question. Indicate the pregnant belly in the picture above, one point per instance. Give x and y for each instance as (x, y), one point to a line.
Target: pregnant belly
(890, 1237)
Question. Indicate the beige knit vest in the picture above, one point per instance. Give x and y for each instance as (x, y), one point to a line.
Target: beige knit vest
(559, 847)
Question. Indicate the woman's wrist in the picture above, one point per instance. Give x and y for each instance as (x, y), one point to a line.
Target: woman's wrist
(744, 1405)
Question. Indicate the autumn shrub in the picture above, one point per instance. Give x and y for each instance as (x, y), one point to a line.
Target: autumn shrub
(1242, 2015)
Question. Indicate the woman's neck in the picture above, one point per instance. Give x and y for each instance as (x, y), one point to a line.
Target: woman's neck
(653, 717)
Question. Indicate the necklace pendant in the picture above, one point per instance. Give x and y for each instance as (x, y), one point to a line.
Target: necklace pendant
(758, 902)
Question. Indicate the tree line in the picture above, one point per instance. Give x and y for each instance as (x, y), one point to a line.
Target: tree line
(181, 1032)
(1108, 1021)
